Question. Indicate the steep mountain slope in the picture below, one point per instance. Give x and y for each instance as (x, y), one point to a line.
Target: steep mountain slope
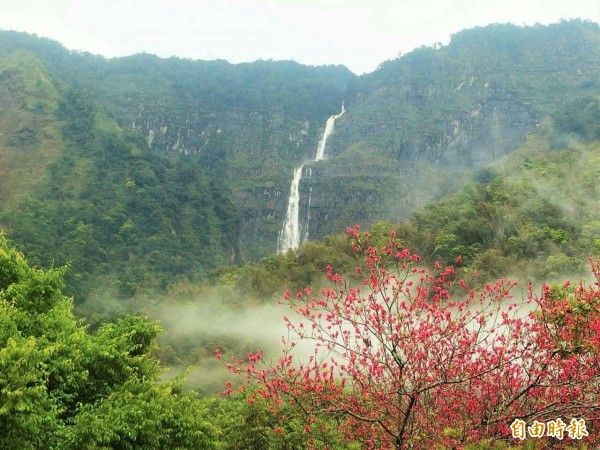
(164, 168)
(29, 131)
(78, 189)
(534, 215)
(419, 125)
(468, 103)
(414, 129)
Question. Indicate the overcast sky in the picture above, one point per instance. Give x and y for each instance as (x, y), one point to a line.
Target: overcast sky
(357, 33)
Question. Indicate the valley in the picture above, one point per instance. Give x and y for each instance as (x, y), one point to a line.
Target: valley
(201, 194)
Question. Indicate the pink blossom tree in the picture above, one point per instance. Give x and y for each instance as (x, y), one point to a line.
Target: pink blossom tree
(412, 358)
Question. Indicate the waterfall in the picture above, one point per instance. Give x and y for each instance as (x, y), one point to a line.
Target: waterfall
(289, 236)
(328, 130)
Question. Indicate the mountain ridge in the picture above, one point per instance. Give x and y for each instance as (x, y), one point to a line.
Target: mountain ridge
(416, 129)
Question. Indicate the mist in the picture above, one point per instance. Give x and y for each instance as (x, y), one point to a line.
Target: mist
(199, 319)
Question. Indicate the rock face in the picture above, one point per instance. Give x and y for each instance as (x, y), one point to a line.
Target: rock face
(491, 125)
(419, 126)
(253, 153)
(414, 130)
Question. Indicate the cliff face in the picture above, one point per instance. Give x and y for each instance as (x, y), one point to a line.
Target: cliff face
(418, 127)
(414, 130)
(426, 123)
(248, 124)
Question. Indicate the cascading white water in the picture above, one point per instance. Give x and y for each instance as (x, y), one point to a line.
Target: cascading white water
(290, 234)
(328, 130)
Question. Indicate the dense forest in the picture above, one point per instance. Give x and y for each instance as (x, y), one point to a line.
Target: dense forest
(157, 187)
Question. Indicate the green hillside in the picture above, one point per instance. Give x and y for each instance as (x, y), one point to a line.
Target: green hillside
(80, 190)
(533, 215)
(29, 130)
(432, 117)
(149, 171)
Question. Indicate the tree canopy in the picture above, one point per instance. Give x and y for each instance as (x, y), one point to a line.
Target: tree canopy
(62, 387)
(412, 358)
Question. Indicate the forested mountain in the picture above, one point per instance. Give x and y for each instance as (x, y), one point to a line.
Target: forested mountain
(79, 189)
(532, 216)
(418, 126)
(414, 128)
(163, 184)
(151, 170)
